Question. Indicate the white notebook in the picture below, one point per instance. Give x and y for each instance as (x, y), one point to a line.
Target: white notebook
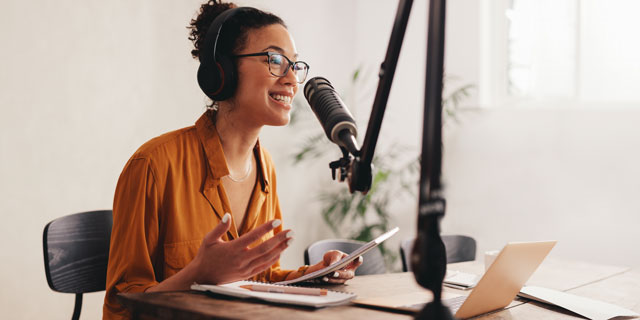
(333, 298)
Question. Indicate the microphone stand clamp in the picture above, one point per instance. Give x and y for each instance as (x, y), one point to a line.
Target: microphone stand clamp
(354, 170)
(341, 165)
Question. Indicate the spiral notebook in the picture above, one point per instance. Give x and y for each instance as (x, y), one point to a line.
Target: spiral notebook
(333, 298)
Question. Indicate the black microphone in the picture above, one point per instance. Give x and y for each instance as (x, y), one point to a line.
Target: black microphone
(332, 113)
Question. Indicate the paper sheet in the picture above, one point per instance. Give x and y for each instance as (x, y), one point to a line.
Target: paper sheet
(460, 280)
(592, 309)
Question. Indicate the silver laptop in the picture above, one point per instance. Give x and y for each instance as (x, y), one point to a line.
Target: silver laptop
(499, 285)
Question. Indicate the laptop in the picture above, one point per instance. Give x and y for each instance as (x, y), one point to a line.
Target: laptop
(497, 288)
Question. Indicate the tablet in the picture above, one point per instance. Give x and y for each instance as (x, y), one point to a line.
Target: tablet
(346, 260)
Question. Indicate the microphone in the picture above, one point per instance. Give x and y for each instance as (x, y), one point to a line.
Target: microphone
(332, 113)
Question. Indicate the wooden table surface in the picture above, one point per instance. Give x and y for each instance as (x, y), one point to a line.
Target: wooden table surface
(617, 285)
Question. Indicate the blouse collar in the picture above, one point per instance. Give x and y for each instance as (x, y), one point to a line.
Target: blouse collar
(212, 146)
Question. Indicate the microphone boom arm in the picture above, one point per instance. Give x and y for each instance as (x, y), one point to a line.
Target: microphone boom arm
(428, 258)
(360, 169)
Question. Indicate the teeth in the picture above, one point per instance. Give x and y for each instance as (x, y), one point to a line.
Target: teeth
(285, 99)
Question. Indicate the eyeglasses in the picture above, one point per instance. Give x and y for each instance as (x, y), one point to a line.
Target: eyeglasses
(279, 68)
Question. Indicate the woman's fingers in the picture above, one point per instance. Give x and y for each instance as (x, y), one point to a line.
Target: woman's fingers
(355, 264)
(267, 246)
(217, 232)
(332, 256)
(327, 279)
(257, 233)
(342, 274)
(272, 253)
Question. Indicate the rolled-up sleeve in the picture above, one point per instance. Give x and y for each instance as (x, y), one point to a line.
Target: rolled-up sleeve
(134, 237)
(274, 273)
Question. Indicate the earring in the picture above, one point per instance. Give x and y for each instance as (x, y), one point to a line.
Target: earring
(214, 106)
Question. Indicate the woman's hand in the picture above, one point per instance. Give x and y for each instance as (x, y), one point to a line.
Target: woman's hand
(221, 261)
(339, 276)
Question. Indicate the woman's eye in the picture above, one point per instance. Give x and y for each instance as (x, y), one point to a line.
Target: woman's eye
(276, 60)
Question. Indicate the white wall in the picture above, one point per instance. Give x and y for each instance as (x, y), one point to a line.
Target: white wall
(564, 174)
(85, 83)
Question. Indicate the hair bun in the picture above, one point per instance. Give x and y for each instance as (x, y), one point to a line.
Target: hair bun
(205, 16)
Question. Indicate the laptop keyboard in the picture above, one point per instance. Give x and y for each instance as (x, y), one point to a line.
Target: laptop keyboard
(453, 303)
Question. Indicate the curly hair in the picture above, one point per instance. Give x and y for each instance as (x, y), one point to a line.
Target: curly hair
(234, 38)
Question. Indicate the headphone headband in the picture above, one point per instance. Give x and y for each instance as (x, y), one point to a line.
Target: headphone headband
(213, 34)
(217, 74)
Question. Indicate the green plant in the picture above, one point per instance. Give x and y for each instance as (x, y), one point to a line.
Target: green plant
(363, 217)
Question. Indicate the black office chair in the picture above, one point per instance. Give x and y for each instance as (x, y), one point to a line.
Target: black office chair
(373, 260)
(459, 249)
(76, 252)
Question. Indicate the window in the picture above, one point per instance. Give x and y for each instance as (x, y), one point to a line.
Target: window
(581, 51)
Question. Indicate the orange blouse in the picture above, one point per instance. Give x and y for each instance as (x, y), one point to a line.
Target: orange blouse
(168, 197)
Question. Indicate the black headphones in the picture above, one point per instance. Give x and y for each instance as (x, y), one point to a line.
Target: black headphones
(217, 74)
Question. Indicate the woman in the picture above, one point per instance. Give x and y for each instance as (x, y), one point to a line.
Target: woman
(199, 204)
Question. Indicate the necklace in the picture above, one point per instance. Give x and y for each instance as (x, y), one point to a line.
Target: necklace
(246, 175)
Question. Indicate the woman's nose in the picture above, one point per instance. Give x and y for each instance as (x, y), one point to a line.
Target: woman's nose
(291, 78)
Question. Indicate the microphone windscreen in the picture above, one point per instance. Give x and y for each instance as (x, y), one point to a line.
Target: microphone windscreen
(329, 108)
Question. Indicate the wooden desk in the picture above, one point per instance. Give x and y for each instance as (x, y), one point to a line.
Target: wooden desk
(607, 283)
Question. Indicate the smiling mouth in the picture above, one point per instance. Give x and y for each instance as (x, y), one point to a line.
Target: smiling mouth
(281, 98)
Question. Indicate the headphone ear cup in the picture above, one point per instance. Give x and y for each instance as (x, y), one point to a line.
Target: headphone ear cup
(228, 76)
(208, 79)
(218, 81)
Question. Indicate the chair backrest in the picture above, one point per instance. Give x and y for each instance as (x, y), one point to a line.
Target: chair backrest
(459, 249)
(76, 251)
(373, 260)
